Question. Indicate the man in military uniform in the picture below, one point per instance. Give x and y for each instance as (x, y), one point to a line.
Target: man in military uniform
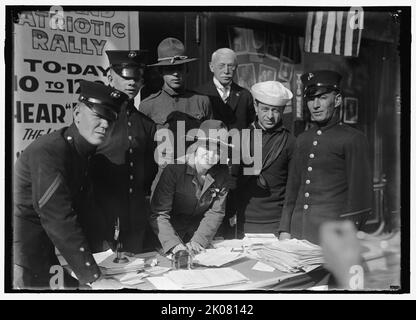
(122, 197)
(330, 176)
(173, 103)
(51, 192)
(172, 63)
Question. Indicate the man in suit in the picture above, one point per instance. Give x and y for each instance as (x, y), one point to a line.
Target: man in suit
(230, 103)
(122, 197)
(233, 105)
(52, 194)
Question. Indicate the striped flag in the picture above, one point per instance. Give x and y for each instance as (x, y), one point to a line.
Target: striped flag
(334, 32)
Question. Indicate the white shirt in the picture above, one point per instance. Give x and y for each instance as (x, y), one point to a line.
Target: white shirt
(224, 92)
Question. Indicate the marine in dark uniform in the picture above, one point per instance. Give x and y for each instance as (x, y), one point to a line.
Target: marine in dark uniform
(122, 196)
(330, 176)
(51, 192)
(261, 197)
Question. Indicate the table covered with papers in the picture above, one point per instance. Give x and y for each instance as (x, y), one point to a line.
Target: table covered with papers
(253, 263)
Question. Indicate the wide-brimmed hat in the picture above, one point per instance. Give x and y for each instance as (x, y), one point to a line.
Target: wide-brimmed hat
(171, 52)
(211, 132)
(271, 93)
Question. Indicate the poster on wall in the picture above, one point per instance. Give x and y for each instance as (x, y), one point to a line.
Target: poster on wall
(246, 75)
(286, 69)
(350, 110)
(266, 73)
(55, 50)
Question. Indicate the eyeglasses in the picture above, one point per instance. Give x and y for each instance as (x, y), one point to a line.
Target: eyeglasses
(231, 67)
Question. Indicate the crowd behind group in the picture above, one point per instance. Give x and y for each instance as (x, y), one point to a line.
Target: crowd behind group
(99, 184)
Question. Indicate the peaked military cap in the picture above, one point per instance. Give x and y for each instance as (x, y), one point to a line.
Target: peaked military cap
(102, 99)
(320, 82)
(128, 63)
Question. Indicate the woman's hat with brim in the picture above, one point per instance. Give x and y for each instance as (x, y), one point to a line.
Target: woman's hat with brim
(171, 52)
(211, 132)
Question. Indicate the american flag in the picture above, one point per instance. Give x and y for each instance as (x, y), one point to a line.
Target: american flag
(334, 32)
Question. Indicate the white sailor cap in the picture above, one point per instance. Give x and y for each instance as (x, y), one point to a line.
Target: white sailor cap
(272, 93)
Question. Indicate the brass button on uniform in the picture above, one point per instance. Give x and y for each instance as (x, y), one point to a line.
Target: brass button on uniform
(131, 150)
(131, 164)
(87, 264)
(319, 132)
(305, 207)
(311, 156)
(82, 249)
(315, 143)
(308, 181)
(130, 190)
(307, 194)
(309, 169)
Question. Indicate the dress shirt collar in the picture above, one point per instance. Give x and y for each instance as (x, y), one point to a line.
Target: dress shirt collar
(224, 92)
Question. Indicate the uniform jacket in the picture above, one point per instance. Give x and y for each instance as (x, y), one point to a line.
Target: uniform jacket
(180, 213)
(122, 172)
(330, 178)
(262, 205)
(50, 196)
(238, 112)
(160, 105)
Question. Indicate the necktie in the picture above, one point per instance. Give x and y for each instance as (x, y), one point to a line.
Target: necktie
(224, 93)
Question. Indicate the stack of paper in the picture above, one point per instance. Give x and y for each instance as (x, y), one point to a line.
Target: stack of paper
(105, 261)
(217, 257)
(291, 255)
(193, 279)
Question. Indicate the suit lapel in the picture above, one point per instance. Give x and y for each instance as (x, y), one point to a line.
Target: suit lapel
(234, 97)
(209, 180)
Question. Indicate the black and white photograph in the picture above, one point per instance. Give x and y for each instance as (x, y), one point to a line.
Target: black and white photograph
(147, 152)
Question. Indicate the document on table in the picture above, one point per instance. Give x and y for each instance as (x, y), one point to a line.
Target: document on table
(291, 255)
(163, 283)
(217, 257)
(105, 260)
(193, 279)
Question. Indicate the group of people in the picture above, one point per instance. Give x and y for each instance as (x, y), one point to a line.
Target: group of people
(99, 184)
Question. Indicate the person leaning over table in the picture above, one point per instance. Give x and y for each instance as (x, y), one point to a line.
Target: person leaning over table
(330, 176)
(51, 192)
(188, 204)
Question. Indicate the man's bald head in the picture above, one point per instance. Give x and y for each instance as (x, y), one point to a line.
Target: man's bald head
(223, 64)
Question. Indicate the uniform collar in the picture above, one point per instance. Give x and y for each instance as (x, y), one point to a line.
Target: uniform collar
(83, 147)
(172, 92)
(330, 123)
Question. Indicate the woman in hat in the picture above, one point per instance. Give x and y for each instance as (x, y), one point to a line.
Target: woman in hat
(188, 204)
